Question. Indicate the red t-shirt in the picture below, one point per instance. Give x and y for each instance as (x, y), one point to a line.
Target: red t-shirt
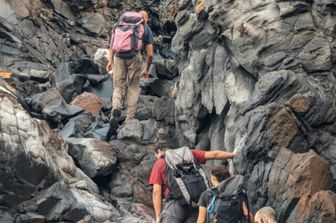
(158, 174)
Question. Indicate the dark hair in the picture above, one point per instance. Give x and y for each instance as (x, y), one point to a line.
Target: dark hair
(220, 172)
(162, 145)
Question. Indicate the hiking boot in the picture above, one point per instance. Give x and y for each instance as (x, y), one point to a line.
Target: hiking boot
(112, 131)
(116, 112)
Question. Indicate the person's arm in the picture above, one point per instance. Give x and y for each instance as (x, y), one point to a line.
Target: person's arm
(246, 213)
(149, 59)
(201, 215)
(110, 60)
(218, 154)
(157, 200)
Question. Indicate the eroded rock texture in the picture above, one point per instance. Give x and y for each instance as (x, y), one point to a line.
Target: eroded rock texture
(258, 76)
(58, 166)
(265, 70)
(35, 163)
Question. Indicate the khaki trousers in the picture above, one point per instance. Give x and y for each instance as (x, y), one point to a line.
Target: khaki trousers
(126, 80)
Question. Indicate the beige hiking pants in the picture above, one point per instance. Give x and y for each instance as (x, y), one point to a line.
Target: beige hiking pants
(126, 80)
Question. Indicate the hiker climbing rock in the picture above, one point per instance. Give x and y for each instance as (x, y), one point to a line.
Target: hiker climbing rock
(178, 175)
(226, 201)
(129, 36)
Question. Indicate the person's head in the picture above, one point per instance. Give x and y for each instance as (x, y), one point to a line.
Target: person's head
(145, 15)
(161, 148)
(265, 215)
(218, 174)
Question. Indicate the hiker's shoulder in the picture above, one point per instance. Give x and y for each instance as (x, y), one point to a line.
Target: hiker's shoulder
(204, 198)
(148, 33)
(206, 193)
(160, 163)
(147, 28)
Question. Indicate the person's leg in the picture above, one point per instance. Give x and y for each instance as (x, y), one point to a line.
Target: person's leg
(133, 92)
(172, 213)
(119, 83)
(192, 215)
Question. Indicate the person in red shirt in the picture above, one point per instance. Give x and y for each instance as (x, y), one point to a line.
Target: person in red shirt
(173, 212)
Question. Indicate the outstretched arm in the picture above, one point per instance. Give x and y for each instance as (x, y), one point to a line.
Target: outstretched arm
(218, 155)
(157, 200)
(247, 213)
(201, 214)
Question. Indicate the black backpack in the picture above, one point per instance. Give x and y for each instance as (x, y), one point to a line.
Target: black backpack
(226, 201)
(186, 179)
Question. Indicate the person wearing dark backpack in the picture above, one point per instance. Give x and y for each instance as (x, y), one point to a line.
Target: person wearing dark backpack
(129, 36)
(178, 176)
(226, 201)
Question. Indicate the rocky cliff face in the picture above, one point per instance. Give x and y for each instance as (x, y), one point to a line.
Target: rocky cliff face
(257, 76)
(55, 163)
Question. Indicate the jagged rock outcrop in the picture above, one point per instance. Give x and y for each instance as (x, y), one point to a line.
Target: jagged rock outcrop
(265, 71)
(317, 208)
(95, 158)
(257, 76)
(35, 163)
(56, 54)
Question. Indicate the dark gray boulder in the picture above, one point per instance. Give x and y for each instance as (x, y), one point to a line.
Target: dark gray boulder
(64, 82)
(71, 204)
(131, 129)
(36, 170)
(164, 109)
(266, 69)
(53, 107)
(95, 158)
(161, 88)
(145, 107)
(164, 69)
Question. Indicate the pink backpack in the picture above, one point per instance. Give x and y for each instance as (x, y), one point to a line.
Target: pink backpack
(127, 33)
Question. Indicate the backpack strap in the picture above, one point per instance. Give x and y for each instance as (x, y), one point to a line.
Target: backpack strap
(203, 174)
(213, 195)
(217, 202)
(183, 189)
(212, 204)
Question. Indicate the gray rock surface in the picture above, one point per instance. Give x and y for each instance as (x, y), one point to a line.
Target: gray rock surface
(33, 160)
(96, 158)
(149, 129)
(72, 204)
(49, 48)
(164, 109)
(64, 82)
(53, 107)
(256, 77)
(266, 69)
(164, 68)
(161, 88)
(132, 129)
(145, 107)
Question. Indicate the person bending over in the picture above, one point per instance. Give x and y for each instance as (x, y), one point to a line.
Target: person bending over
(179, 207)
